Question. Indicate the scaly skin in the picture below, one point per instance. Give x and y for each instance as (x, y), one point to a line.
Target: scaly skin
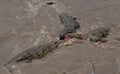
(96, 35)
(32, 53)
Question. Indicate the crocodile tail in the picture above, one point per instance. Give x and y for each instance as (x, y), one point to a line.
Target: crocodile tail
(8, 65)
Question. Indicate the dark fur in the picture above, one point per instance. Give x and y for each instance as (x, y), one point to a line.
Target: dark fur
(70, 24)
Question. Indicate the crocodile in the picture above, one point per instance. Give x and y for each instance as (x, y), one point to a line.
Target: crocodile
(70, 25)
(30, 54)
(95, 35)
(98, 34)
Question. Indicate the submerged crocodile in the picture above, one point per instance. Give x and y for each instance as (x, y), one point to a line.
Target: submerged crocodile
(32, 53)
(70, 25)
(96, 35)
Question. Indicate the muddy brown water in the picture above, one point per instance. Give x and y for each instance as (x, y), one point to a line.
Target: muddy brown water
(26, 23)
